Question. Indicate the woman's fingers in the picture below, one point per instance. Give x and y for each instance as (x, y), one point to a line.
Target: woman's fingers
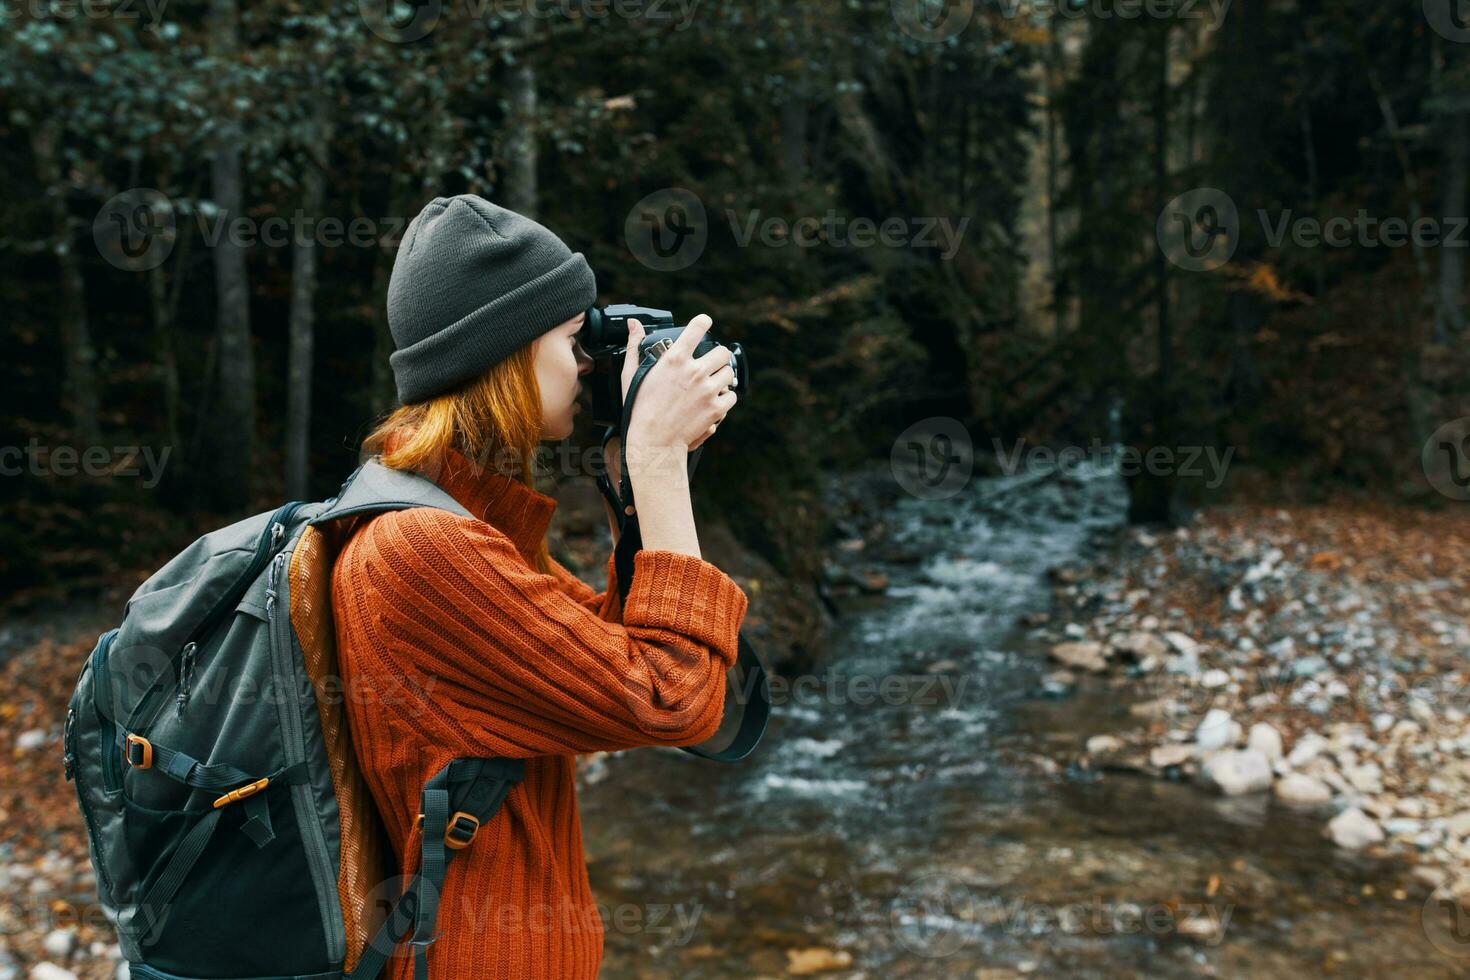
(723, 378)
(691, 335)
(725, 400)
(714, 358)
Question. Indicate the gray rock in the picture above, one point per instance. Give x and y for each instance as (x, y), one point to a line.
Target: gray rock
(1265, 740)
(1213, 678)
(1354, 830)
(1082, 655)
(1139, 645)
(50, 971)
(1217, 731)
(1164, 756)
(1104, 744)
(1302, 790)
(1237, 771)
(1458, 826)
(31, 738)
(1307, 748)
(1182, 643)
(60, 943)
(1308, 666)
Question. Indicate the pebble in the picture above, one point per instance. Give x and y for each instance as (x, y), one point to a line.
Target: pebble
(60, 943)
(1082, 654)
(31, 738)
(1235, 772)
(1213, 678)
(1182, 643)
(1307, 748)
(1301, 789)
(1354, 830)
(1164, 756)
(1458, 826)
(1266, 740)
(50, 971)
(1217, 730)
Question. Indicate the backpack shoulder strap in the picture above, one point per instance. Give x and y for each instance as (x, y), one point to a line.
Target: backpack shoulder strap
(459, 798)
(374, 488)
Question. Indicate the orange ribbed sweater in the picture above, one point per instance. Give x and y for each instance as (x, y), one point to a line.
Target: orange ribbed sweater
(484, 655)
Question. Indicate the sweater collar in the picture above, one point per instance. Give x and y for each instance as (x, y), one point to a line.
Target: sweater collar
(503, 502)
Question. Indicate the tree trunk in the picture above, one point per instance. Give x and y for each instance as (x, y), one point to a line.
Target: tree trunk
(520, 145)
(1152, 496)
(302, 326)
(233, 450)
(794, 137)
(80, 395)
(1050, 75)
(163, 339)
(1449, 319)
(383, 393)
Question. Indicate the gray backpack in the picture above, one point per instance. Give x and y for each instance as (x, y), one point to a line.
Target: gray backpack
(230, 829)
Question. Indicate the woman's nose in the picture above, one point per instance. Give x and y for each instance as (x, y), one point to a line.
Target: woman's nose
(584, 363)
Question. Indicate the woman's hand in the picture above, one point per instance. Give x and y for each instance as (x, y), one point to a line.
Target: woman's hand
(683, 398)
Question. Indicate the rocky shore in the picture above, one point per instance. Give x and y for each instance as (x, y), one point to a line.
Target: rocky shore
(1319, 654)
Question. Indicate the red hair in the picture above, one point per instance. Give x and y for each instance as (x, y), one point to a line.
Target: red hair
(496, 416)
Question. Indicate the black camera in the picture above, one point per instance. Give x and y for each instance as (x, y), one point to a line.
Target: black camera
(604, 336)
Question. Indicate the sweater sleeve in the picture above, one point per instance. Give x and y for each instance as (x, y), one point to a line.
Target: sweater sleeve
(604, 603)
(518, 663)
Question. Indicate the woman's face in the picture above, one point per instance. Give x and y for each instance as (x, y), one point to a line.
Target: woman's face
(560, 363)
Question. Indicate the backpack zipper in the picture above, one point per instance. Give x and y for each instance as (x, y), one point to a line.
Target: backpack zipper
(264, 550)
(318, 861)
(186, 672)
(190, 655)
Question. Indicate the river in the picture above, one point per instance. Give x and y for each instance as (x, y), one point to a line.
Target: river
(927, 829)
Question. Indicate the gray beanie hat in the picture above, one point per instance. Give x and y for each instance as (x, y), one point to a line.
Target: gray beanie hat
(472, 283)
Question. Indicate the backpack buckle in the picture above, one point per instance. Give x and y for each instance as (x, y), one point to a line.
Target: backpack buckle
(458, 835)
(138, 751)
(460, 832)
(249, 789)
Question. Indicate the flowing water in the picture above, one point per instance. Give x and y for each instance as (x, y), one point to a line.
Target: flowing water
(919, 825)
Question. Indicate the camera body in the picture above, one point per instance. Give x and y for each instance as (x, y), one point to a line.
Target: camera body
(604, 336)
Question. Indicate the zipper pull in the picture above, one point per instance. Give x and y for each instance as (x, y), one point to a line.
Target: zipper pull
(277, 531)
(270, 584)
(186, 671)
(68, 760)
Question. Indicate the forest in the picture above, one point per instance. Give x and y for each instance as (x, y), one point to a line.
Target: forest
(976, 252)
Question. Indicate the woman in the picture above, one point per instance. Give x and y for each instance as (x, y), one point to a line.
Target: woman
(505, 651)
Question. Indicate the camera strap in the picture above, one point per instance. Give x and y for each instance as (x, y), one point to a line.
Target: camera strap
(748, 674)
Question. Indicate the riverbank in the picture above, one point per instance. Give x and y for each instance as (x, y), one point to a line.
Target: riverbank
(1318, 654)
